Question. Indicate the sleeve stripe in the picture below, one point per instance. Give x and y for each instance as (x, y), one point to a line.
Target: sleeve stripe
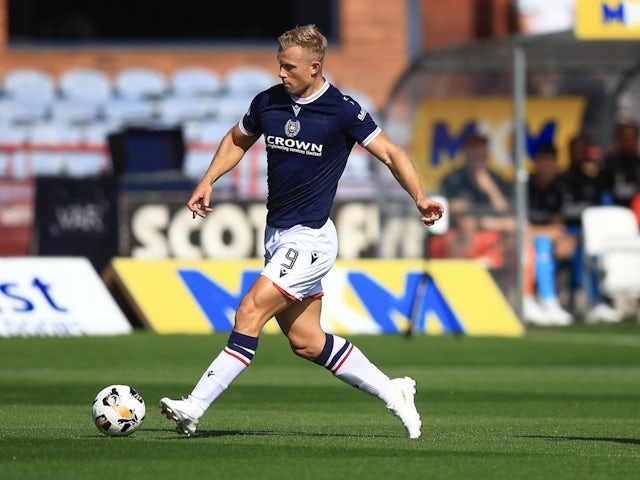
(371, 136)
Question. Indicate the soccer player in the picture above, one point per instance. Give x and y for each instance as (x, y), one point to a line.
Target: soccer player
(309, 128)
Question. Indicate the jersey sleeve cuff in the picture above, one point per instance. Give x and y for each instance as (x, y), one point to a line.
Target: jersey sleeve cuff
(244, 130)
(371, 136)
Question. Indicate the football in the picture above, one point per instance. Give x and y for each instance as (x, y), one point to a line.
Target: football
(118, 410)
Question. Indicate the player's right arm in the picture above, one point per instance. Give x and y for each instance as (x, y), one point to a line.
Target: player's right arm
(232, 148)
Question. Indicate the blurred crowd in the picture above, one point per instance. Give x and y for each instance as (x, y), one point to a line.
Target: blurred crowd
(558, 286)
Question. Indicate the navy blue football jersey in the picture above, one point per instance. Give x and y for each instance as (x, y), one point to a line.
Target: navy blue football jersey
(308, 141)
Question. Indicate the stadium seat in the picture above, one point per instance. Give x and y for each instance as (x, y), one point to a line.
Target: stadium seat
(604, 227)
(202, 140)
(30, 84)
(358, 165)
(602, 223)
(248, 81)
(55, 162)
(140, 83)
(232, 107)
(176, 109)
(23, 110)
(48, 162)
(97, 133)
(74, 110)
(124, 110)
(212, 132)
(620, 263)
(195, 82)
(11, 160)
(85, 84)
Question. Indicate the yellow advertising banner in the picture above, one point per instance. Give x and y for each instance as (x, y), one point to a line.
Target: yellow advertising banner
(361, 296)
(440, 126)
(607, 19)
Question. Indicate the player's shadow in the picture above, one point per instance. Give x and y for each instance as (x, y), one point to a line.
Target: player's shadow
(565, 438)
(263, 433)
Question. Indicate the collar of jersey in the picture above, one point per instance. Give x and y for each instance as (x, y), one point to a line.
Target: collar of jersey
(307, 100)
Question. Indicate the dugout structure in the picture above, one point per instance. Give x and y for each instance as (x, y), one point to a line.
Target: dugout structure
(554, 86)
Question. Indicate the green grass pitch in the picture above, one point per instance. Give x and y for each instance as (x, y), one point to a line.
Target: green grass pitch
(558, 403)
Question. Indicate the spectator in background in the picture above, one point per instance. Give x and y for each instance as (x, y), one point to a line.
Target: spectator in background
(549, 240)
(620, 174)
(583, 190)
(581, 178)
(479, 209)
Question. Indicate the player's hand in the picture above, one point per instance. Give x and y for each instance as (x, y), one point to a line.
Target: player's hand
(200, 201)
(431, 210)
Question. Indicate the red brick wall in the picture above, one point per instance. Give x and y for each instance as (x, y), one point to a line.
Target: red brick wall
(455, 22)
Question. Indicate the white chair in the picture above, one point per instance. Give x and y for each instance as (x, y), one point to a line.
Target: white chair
(74, 110)
(11, 158)
(140, 83)
(30, 84)
(602, 222)
(232, 107)
(45, 140)
(620, 263)
(124, 110)
(248, 81)
(195, 82)
(604, 227)
(202, 140)
(89, 85)
(23, 110)
(358, 165)
(176, 109)
(97, 133)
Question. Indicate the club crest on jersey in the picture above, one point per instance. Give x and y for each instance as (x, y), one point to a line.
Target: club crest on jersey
(292, 128)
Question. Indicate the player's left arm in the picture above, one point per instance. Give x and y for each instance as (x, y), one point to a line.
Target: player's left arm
(404, 171)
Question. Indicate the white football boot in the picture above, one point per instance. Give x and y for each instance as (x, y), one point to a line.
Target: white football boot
(404, 406)
(183, 412)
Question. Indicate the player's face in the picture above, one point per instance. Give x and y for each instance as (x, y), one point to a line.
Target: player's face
(297, 72)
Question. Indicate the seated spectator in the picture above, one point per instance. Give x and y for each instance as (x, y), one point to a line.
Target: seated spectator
(479, 209)
(549, 240)
(583, 190)
(620, 173)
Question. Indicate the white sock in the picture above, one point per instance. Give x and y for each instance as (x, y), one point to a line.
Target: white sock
(350, 365)
(229, 363)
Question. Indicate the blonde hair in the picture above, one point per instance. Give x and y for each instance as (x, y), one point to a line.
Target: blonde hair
(308, 37)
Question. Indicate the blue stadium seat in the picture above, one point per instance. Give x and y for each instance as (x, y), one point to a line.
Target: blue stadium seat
(30, 84)
(74, 110)
(23, 110)
(195, 82)
(177, 109)
(127, 110)
(138, 82)
(232, 107)
(248, 81)
(85, 84)
(11, 162)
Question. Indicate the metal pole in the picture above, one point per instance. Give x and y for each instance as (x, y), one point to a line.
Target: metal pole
(521, 173)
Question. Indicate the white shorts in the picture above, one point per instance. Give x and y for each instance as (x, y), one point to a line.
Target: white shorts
(297, 258)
